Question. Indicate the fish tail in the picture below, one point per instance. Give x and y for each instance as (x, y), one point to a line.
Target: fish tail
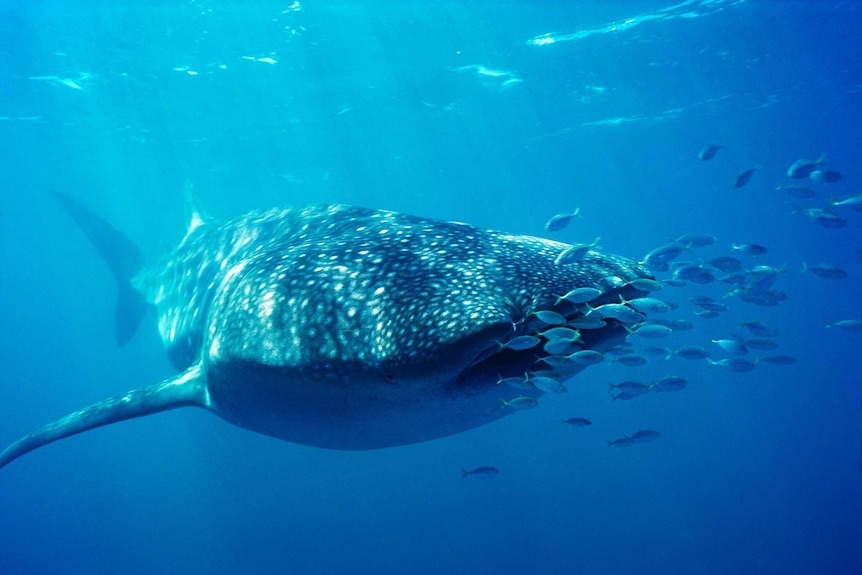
(122, 257)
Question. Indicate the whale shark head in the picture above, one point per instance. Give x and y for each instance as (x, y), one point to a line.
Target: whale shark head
(350, 328)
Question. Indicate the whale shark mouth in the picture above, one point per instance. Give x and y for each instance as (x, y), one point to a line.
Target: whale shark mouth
(549, 356)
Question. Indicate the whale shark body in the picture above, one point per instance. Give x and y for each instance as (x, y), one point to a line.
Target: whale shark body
(348, 328)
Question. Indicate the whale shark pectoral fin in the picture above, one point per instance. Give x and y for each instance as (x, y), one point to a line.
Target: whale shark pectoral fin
(185, 389)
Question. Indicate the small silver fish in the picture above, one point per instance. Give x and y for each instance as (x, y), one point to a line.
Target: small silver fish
(712, 306)
(560, 221)
(580, 295)
(484, 471)
(847, 324)
(734, 364)
(633, 387)
(694, 273)
(521, 383)
(824, 176)
(824, 217)
(578, 422)
(759, 328)
(657, 351)
(768, 297)
(522, 403)
(586, 322)
(749, 249)
(663, 255)
(695, 240)
(692, 352)
(676, 324)
(706, 314)
(854, 201)
(551, 317)
(521, 342)
(761, 344)
(803, 168)
(618, 311)
(669, 384)
(645, 435)
(778, 359)
(825, 271)
(575, 253)
(708, 152)
(744, 177)
(727, 264)
(650, 305)
(556, 361)
(546, 384)
(587, 357)
(558, 347)
(632, 360)
(621, 349)
(651, 330)
(609, 283)
(732, 346)
(645, 284)
(622, 442)
(564, 333)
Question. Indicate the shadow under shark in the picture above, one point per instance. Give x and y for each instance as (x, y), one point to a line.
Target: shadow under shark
(343, 327)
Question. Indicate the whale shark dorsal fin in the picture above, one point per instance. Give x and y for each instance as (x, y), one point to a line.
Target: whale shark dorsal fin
(185, 389)
(196, 215)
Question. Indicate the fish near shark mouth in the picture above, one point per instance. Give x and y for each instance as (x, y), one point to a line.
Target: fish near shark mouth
(556, 343)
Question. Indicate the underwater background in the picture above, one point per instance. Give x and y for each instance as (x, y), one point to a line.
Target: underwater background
(499, 114)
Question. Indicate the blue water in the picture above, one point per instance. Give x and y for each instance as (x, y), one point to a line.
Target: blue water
(499, 114)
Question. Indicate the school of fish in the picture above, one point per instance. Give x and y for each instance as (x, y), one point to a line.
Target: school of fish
(740, 272)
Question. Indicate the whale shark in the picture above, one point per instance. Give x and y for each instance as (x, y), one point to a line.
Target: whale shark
(351, 328)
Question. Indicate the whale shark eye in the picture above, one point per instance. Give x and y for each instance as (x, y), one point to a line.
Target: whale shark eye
(390, 377)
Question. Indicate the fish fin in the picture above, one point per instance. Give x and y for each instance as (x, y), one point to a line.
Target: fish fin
(185, 389)
(196, 215)
(122, 257)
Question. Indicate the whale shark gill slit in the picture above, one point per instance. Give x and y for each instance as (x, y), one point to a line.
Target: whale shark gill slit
(344, 327)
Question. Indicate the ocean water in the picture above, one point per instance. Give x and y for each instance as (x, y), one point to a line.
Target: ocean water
(500, 114)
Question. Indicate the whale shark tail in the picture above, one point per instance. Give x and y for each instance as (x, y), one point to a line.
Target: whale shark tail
(123, 258)
(185, 389)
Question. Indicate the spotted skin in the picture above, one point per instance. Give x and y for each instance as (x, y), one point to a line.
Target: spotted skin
(350, 328)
